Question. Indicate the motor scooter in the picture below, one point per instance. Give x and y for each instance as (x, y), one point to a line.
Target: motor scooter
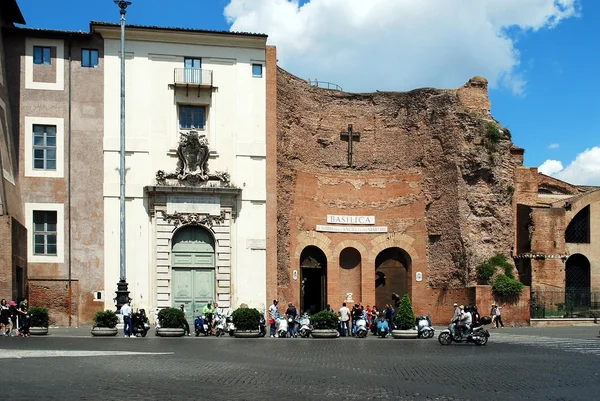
(383, 327)
(219, 323)
(282, 326)
(201, 326)
(230, 326)
(478, 335)
(305, 326)
(139, 323)
(262, 326)
(361, 328)
(423, 326)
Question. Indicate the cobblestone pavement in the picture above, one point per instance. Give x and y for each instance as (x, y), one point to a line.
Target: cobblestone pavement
(511, 367)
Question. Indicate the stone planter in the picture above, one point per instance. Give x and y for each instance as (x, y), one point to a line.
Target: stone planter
(405, 333)
(246, 334)
(104, 331)
(325, 333)
(164, 332)
(38, 331)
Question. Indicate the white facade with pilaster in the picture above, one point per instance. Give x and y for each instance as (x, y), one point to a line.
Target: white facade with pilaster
(234, 126)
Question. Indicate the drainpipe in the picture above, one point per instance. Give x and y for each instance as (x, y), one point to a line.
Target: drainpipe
(69, 181)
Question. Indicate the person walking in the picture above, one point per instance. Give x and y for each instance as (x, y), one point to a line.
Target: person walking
(4, 318)
(344, 313)
(24, 318)
(273, 318)
(292, 313)
(186, 325)
(127, 326)
(13, 313)
(499, 316)
(493, 315)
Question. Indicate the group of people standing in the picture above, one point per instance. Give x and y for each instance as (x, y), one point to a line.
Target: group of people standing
(14, 319)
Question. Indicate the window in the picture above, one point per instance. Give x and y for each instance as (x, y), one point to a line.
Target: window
(44, 147)
(257, 70)
(195, 63)
(89, 58)
(192, 117)
(41, 55)
(44, 232)
(578, 231)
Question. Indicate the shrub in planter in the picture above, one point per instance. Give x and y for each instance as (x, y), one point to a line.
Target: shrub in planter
(38, 317)
(171, 318)
(405, 317)
(507, 287)
(324, 320)
(106, 318)
(246, 319)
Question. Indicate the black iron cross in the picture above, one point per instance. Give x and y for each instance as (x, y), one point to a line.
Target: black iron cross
(350, 136)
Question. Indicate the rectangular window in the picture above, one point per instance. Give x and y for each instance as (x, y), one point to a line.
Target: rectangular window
(89, 58)
(192, 117)
(44, 232)
(44, 147)
(41, 55)
(257, 70)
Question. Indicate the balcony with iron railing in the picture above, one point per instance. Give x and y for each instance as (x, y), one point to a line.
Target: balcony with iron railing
(193, 77)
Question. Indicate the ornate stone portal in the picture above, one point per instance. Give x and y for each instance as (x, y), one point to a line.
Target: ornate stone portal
(192, 166)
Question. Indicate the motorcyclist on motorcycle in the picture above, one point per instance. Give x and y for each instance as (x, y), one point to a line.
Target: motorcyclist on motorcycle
(208, 311)
(465, 321)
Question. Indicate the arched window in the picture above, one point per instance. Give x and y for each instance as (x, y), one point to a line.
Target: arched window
(578, 231)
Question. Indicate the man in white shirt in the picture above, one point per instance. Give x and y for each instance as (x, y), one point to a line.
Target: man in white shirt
(126, 312)
(345, 317)
(273, 318)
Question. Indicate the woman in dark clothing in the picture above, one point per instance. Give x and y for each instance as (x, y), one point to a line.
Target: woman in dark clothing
(24, 318)
(4, 318)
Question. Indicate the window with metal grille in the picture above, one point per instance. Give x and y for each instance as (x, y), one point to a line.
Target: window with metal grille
(44, 147)
(44, 232)
(192, 117)
(578, 231)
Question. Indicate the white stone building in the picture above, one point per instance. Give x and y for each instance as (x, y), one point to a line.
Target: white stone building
(196, 116)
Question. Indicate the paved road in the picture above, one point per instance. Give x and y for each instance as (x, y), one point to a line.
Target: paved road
(513, 366)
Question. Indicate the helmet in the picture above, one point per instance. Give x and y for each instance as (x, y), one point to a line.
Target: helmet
(467, 308)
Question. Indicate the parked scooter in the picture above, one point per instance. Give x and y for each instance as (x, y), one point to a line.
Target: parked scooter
(305, 326)
(423, 326)
(201, 326)
(139, 323)
(230, 327)
(478, 335)
(262, 326)
(361, 329)
(383, 327)
(219, 322)
(282, 326)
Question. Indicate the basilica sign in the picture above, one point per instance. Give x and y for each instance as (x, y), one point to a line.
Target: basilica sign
(352, 229)
(336, 219)
(355, 224)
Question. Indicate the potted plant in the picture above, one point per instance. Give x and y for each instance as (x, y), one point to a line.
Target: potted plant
(105, 324)
(38, 321)
(171, 322)
(246, 322)
(325, 325)
(405, 320)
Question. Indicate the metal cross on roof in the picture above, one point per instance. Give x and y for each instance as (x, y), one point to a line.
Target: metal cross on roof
(350, 136)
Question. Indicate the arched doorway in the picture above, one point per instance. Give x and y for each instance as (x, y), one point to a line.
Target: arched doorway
(351, 273)
(193, 269)
(313, 279)
(391, 275)
(577, 283)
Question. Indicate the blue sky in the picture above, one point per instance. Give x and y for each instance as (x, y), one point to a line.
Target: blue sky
(543, 74)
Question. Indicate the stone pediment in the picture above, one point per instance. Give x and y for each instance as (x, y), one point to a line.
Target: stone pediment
(192, 166)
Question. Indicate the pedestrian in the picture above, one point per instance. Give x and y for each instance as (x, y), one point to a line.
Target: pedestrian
(499, 316)
(493, 315)
(344, 313)
(356, 314)
(24, 318)
(12, 307)
(475, 316)
(127, 326)
(328, 308)
(273, 318)
(4, 318)
(186, 325)
(389, 315)
(292, 313)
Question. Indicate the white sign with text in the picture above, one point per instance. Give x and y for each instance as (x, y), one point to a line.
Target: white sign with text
(352, 229)
(358, 220)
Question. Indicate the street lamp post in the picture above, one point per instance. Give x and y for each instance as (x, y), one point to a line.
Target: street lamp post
(122, 292)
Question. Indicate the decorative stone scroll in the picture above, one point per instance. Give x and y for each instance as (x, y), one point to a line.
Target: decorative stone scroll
(192, 166)
(178, 219)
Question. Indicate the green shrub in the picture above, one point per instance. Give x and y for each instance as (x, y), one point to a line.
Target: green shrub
(171, 318)
(507, 287)
(324, 320)
(405, 317)
(39, 317)
(511, 190)
(246, 319)
(485, 271)
(106, 318)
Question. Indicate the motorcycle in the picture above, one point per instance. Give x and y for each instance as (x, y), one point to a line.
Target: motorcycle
(424, 328)
(201, 326)
(305, 326)
(478, 335)
(282, 326)
(139, 323)
(219, 323)
(230, 326)
(361, 328)
(383, 328)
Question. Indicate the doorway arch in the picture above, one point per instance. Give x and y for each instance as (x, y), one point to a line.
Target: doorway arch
(193, 269)
(351, 273)
(313, 279)
(577, 281)
(391, 275)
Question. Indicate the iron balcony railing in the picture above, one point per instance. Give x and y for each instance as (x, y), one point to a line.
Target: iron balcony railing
(193, 76)
(570, 303)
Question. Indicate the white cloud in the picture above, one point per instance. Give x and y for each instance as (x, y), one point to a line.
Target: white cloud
(550, 167)
(554, 146)
(584, 170)
(399, 45)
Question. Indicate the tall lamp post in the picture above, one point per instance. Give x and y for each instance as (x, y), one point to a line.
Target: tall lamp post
(122, 292)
